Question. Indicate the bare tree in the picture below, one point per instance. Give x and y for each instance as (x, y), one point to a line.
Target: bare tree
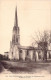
(50, 37)
(41, 37)
(45, 37)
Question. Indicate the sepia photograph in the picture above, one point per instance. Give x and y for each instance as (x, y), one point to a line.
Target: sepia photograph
(25, 39)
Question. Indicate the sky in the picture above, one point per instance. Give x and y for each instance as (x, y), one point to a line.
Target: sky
(33, 17)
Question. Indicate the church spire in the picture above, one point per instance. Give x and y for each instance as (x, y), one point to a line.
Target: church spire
(16, 18)
(16, 37)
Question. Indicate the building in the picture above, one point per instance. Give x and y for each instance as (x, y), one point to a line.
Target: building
(18, 52)
(15, 40)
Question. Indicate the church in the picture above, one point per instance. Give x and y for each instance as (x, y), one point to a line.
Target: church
(18, 52)
(15, 43)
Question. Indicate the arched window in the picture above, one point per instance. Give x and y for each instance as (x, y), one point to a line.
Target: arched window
(17, 40)
(20, 51)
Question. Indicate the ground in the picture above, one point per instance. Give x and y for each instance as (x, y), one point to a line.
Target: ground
(25, 67)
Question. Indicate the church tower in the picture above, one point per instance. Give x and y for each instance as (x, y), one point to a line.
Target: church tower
(14, 44)
(16, 35)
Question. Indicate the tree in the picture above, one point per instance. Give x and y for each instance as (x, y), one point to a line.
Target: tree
(50, 37)
(42, 41)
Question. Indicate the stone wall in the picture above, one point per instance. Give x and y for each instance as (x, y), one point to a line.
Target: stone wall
(27, 54)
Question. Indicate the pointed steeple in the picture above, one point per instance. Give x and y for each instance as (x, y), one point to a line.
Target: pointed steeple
(16, 18)
(16, 36)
